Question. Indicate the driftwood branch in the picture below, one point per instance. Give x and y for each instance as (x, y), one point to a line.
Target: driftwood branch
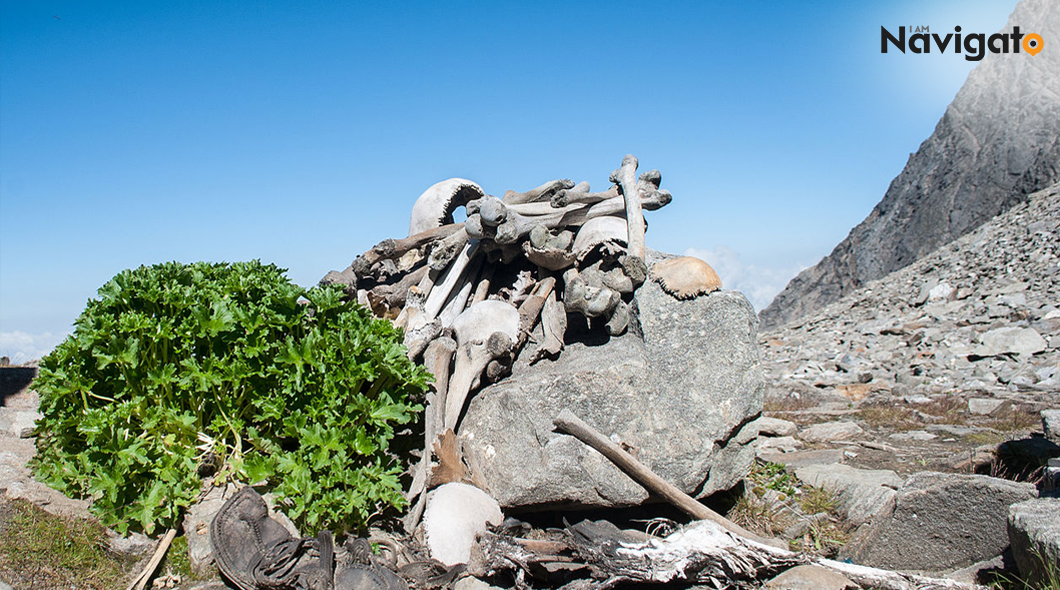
(140, 582)
(576, 427)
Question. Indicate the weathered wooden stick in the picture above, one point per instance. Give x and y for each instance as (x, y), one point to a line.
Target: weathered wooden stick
(576, 427)
(145, 576)
(626, 177)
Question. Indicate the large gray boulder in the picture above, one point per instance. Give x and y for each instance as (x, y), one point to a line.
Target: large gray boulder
(939, 522)
(861, 493)
(1034, 531)
(679, 390)
(998, 142)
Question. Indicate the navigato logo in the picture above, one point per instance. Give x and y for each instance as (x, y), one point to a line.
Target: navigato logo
(975, 45)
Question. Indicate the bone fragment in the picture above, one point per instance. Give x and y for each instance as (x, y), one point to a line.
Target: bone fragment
(554, 327)
(441, 291)
(626, 178)
(543, 192)
(445, 250)
(572, 197)
(461, 293)
(483, 332)
(437, 358)
(685, 277)
(434, 208)
(587, 299)
(395, 294)
(483, 288)
(619, 321)
(347, 279)
(492, 211)
(397, 248)
(530, 309)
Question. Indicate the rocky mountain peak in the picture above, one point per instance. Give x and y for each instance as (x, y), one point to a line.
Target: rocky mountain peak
(998, 141)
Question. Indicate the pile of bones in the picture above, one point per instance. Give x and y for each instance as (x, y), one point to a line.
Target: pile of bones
(469, 294)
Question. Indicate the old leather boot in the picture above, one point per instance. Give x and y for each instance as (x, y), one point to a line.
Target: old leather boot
(362, 571)
(255, 552)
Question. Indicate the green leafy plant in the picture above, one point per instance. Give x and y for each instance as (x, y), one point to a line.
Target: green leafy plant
(772, 476)
(176, 369)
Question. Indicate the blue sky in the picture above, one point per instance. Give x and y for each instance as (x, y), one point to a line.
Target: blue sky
(301, 133)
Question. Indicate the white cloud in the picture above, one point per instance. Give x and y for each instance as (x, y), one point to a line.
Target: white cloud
(21, 347)
(759, 284)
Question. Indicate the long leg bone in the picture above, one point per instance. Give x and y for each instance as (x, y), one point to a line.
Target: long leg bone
(554, 326)
(518, 226)
(393, 249)
(440, 293)
(486, 330)
(447, 249)
(571, 197)
(461, 293)
(543, 192)
(626, 178)
(437, 358)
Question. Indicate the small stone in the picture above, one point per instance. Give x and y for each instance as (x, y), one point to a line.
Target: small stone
(1034, 534)
(1051, 424)
(472, 583)
(941, 292)
(775, 427)
(918, 435)
(810, 577)
(133, 545)
(1023, 341)
(830, 431)
(983, 406)
(778, 444)
(18, 423)
(804, 458)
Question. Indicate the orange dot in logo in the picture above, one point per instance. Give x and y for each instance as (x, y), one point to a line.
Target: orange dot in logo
(1032, 43)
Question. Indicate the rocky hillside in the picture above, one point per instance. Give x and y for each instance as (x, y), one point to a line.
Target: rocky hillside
(946, 347)
(998, 141)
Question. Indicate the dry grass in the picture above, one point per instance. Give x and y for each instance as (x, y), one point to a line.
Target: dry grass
(1014, 419)
(786, 404)
(814, 500)
(825, 538)
(945, 410)
(757, 515)
(898, 418)
(41, 551)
